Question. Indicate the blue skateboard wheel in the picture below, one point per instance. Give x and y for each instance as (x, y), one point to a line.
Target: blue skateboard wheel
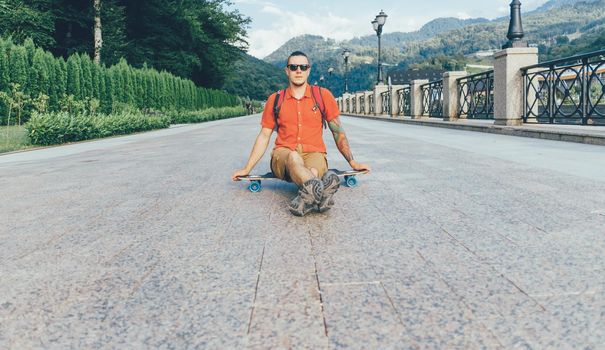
(254, 186)
(350, 181)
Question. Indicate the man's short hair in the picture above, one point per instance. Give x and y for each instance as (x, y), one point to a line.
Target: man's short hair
(297, 53)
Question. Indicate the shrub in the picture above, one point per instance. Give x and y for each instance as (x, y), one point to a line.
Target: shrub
(60, 127)
(204, 115)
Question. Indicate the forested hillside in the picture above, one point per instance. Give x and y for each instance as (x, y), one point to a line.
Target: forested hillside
(557, 28)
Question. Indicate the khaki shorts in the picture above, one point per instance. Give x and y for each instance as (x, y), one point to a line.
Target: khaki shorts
(279, 157)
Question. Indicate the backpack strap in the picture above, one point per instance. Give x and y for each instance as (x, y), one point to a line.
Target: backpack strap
(319, 103)
(279, 99)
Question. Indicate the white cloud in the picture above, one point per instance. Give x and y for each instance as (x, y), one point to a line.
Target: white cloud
(272, 9)
(463, 15)
(288, 24)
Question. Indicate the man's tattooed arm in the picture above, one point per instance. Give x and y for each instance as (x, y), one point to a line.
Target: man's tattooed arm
(341, 139)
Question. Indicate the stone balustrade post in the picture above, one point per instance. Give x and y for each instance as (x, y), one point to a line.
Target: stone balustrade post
(379, 89)
(366, 101)
(451, 101)
(395, 100)
(416, 98)
(346, 100)
(508, 83)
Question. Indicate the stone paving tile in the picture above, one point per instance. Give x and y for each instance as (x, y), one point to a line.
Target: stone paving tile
(361, 316)
(434, 317)
(287, 315)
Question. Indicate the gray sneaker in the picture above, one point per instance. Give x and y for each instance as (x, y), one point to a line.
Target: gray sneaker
(309, 196)
(331, 184)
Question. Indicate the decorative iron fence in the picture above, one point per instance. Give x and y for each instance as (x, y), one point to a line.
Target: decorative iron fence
(566, 91)
(354, 104)
(385, 102)
(371, 104)
(362, 104)
(476, 95)
(403, 101)
(432, 98)
(348, 105)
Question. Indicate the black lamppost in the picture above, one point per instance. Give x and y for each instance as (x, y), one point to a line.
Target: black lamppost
(378, 22)
(515, 27)
(345, 56)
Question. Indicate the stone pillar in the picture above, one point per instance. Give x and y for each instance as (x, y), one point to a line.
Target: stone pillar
(358, 102)
(367, 102)
(451, 102)
(508, 83)
(416, 98)
(379, 89)
(346, 104)
(395, 100)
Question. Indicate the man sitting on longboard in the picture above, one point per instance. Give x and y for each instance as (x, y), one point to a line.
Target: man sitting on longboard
(298, 114)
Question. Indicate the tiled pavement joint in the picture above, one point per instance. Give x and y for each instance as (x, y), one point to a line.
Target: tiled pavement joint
(260, 268)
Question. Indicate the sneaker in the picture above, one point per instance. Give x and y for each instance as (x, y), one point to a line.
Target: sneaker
(331, 184)
(309, 196)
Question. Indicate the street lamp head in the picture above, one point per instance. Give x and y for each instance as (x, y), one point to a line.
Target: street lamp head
(375, 24)
(346, 53)
(381, 18)
(330, 70)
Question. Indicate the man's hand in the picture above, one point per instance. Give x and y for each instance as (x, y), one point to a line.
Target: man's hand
(240, 172)
(358, 166)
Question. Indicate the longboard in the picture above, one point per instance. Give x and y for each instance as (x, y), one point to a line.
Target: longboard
(255, 180)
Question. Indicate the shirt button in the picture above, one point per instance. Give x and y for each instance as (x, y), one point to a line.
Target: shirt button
(299, 125)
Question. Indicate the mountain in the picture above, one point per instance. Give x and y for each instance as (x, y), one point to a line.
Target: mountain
(549, 5)
(447, 42)
(429, 30)
(254, 79)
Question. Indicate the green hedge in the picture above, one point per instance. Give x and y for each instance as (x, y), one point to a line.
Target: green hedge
(38, 72)
(206, 115)
(60, 127)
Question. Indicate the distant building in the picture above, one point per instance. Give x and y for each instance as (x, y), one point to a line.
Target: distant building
(404, 76)
(484, 54)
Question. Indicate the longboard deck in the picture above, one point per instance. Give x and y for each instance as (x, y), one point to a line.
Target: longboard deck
(255, 180)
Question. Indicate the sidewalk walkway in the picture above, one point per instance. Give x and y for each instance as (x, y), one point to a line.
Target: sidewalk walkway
(455, 240)
(594, 135)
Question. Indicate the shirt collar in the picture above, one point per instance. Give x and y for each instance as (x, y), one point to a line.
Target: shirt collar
(307, 92)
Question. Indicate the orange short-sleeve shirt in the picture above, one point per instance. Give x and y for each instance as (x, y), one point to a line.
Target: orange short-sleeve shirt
(299, 122)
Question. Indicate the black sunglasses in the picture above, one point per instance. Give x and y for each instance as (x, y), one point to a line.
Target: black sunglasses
(294, 67)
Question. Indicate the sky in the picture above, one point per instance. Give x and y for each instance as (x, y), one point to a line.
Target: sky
(275, 22)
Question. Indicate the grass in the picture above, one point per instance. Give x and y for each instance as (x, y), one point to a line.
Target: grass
(13, 138)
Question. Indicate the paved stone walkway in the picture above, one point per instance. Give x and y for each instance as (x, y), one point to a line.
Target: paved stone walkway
(456, 240)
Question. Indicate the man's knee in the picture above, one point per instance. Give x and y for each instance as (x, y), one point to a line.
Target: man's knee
(294, 158)
(314, 171)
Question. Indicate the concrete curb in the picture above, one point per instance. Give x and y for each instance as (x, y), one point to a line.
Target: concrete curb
(549, 132)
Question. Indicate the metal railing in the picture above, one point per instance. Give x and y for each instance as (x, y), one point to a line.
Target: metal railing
(362, 104)
(404, 101)
(566, 91)
(432, 98)
(385, 102)
(348, 105)
(476, 95)
(354, 104)
(371, 104)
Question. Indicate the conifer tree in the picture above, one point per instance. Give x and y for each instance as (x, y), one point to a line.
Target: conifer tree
(73, 77)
